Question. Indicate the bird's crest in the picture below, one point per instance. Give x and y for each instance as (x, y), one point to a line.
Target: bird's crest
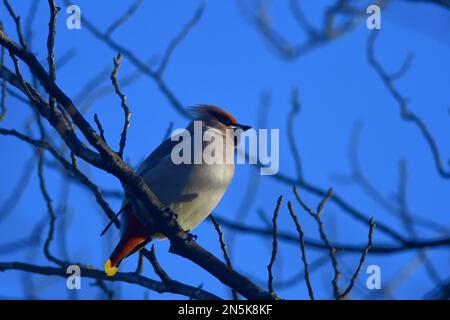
(216, 112)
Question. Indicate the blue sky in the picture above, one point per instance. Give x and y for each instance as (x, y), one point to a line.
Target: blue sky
(224, 61)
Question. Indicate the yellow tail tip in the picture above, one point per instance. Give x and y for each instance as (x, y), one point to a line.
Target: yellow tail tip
(109, 270)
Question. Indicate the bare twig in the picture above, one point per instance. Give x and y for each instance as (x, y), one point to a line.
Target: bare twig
(70, 168)
(3, 88)
(407, 221)
(151, 256)
(123, 99)
(315, 37)
(331, 249)
(405, 112)
(123, 18)
(17, 191)
(31, 15)
(179, 38)
(92, 91)
(18, 24)
(51, 212)
(141, 65)
(380, 249)
(223, 246)
(404, 68)
(341, 203)
(301, 19)
(140, 265)
(100, 127)
(29, 241)
(357, 176)
(361, 261)
(51, 46)
(298, 277)
(303, 250)
(440, 292)
(290, 133)
(177, 288)
(274, 245)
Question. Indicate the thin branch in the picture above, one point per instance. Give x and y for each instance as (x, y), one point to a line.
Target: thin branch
(290, 133)
(331, 249)
(133, 278)
(100, 127)
(380, 249)
(51, 212)
(361, 261)
(141, 65)
(140, 264)
(123, 18)
(19, 189)
(440, 292)
(443, 3)
(404, 68)
(51, 46)
(151, 256)
(299, 276)
(223, 246)
(70, 168)
(123, 99)
(3, 88)
(31, 240)
(340, 202)
(303, 250)
(64, 58)
(31, 15)
(18, 24)
(92, 91)
(274, 245)
(56, 119)
(179, 38)
(301, 19)
(357, 176)
(407, 221)
(405, 112)
(348, 16)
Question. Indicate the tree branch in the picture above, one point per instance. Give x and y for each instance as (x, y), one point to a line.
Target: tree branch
(133, 278)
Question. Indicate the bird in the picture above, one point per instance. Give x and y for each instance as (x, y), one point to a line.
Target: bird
(190, 190)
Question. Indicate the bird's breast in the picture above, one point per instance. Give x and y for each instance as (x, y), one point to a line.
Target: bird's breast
(192, 191)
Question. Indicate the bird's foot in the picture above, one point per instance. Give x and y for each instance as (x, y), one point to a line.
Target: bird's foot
(191, 236)
(173, 215)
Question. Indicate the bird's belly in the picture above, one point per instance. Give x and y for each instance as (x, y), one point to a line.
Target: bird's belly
(190, 191)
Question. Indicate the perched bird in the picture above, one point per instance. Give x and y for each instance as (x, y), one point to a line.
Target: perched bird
(190, 190)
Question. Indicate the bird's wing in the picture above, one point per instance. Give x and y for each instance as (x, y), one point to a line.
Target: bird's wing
(159, 153)
(151, 161)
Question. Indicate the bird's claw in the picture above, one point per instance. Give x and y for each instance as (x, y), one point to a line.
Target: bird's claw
(191, 236)
(173, 215)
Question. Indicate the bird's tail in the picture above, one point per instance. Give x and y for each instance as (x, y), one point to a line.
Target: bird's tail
(134, 238)
(125, 247)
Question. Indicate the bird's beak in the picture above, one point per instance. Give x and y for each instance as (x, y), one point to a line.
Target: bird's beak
(243, 127)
